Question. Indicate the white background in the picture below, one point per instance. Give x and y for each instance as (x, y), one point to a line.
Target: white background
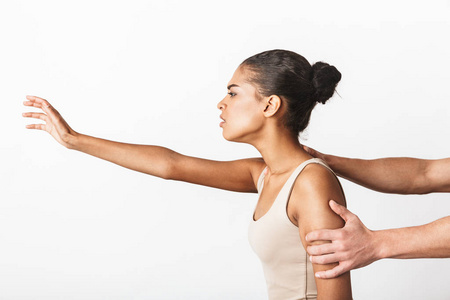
(152, 72)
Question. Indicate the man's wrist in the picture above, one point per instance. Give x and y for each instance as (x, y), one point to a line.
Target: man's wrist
(381, 245)
(331, 160)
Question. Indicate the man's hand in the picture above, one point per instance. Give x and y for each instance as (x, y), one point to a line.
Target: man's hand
(314, 153)
(352, 246)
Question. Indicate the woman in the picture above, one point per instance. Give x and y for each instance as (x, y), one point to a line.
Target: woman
(269, 102)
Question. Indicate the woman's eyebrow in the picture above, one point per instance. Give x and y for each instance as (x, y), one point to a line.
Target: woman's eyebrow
(232, 85)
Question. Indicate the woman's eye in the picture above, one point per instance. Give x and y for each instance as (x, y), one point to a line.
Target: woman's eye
(231, 94)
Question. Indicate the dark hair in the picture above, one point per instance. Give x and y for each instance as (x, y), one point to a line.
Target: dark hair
(291, 77)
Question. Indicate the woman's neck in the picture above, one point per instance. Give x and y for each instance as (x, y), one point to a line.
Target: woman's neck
(281, 151)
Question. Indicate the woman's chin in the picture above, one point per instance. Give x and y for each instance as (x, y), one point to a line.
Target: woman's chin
(233, 138)
(228, 137)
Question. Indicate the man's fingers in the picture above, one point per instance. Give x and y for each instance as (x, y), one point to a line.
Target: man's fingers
(324, 259)
(340, 210)
(321, 249)
(335, 272)
(311, 151)
(321, 235)
(307, 149)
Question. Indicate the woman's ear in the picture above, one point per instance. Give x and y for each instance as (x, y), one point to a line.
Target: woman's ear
(272, 105)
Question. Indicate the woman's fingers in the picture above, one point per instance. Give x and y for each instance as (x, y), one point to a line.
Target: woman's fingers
(37, 102)
(43, 104)
(54, 123)
(35, 115)
(32, 103)
(39, 116)
(36, 126)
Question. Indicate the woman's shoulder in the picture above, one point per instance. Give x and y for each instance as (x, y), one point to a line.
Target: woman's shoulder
(314, 188)
(256, 166)
(315, 177)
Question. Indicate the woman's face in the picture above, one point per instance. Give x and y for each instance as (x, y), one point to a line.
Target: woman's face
(242, 111)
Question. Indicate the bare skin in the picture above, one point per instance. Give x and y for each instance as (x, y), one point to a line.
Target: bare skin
(249, 119)
(354, 246)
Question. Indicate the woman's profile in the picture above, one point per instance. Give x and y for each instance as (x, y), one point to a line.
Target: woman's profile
(269, 102)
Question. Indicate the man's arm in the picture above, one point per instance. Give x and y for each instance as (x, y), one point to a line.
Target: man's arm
(399, 175)
(355, 246)
(431, 240)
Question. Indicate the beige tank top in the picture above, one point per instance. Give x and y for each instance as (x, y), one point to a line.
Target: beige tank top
(287, 269)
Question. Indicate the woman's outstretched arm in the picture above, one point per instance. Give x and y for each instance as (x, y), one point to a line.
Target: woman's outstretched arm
(399, 175)
(239, 175)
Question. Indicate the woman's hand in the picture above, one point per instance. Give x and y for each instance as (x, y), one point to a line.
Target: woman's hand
(54, 122)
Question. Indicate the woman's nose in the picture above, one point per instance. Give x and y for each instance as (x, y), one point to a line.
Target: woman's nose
(221, 105)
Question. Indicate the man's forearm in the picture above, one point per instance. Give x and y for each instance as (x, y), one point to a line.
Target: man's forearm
(427, 241)
(388, 175)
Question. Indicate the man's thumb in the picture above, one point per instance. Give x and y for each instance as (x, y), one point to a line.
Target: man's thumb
(340, 210)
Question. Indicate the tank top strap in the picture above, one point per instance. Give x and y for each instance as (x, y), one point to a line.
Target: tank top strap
(321, 162)
(298, 170)
(260, 183)
(291, 180)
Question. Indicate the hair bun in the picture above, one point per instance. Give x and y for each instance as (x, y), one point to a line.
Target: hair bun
(324, 79)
